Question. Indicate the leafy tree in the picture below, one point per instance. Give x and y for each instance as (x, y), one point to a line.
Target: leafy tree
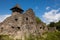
(52, 24)
(58, 25)
(38, 20)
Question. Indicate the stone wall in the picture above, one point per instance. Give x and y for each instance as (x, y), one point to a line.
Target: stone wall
(18, 25)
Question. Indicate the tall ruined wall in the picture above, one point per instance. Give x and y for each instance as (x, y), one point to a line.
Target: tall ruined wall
(20, 24)
(30, 21)
(12, 23)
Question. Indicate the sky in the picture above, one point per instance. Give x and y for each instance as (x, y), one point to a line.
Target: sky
(47, 10)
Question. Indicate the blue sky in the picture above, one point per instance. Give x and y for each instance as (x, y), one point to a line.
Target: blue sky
(40, 7)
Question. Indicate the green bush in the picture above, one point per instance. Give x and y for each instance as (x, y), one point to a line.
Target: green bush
(50, 36)
(33, 37)
(5, 37)
(53, 36)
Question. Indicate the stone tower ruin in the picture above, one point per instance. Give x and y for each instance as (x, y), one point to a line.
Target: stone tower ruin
(20, 23)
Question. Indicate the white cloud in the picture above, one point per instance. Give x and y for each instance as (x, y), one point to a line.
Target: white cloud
(3, 17)
(47, 8)
(52, 16)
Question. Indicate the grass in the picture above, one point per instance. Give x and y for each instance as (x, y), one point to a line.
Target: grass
(50, 36)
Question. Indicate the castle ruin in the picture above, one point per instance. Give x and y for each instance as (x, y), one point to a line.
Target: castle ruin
(21, 23)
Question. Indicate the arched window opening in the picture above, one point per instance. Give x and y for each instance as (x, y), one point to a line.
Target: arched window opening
(16, 19)
(1, 27)
(40, 27)
(18, 27)
(26, 18)
(12, 27)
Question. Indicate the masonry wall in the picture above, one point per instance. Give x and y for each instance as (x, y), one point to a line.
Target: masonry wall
(18, 25)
